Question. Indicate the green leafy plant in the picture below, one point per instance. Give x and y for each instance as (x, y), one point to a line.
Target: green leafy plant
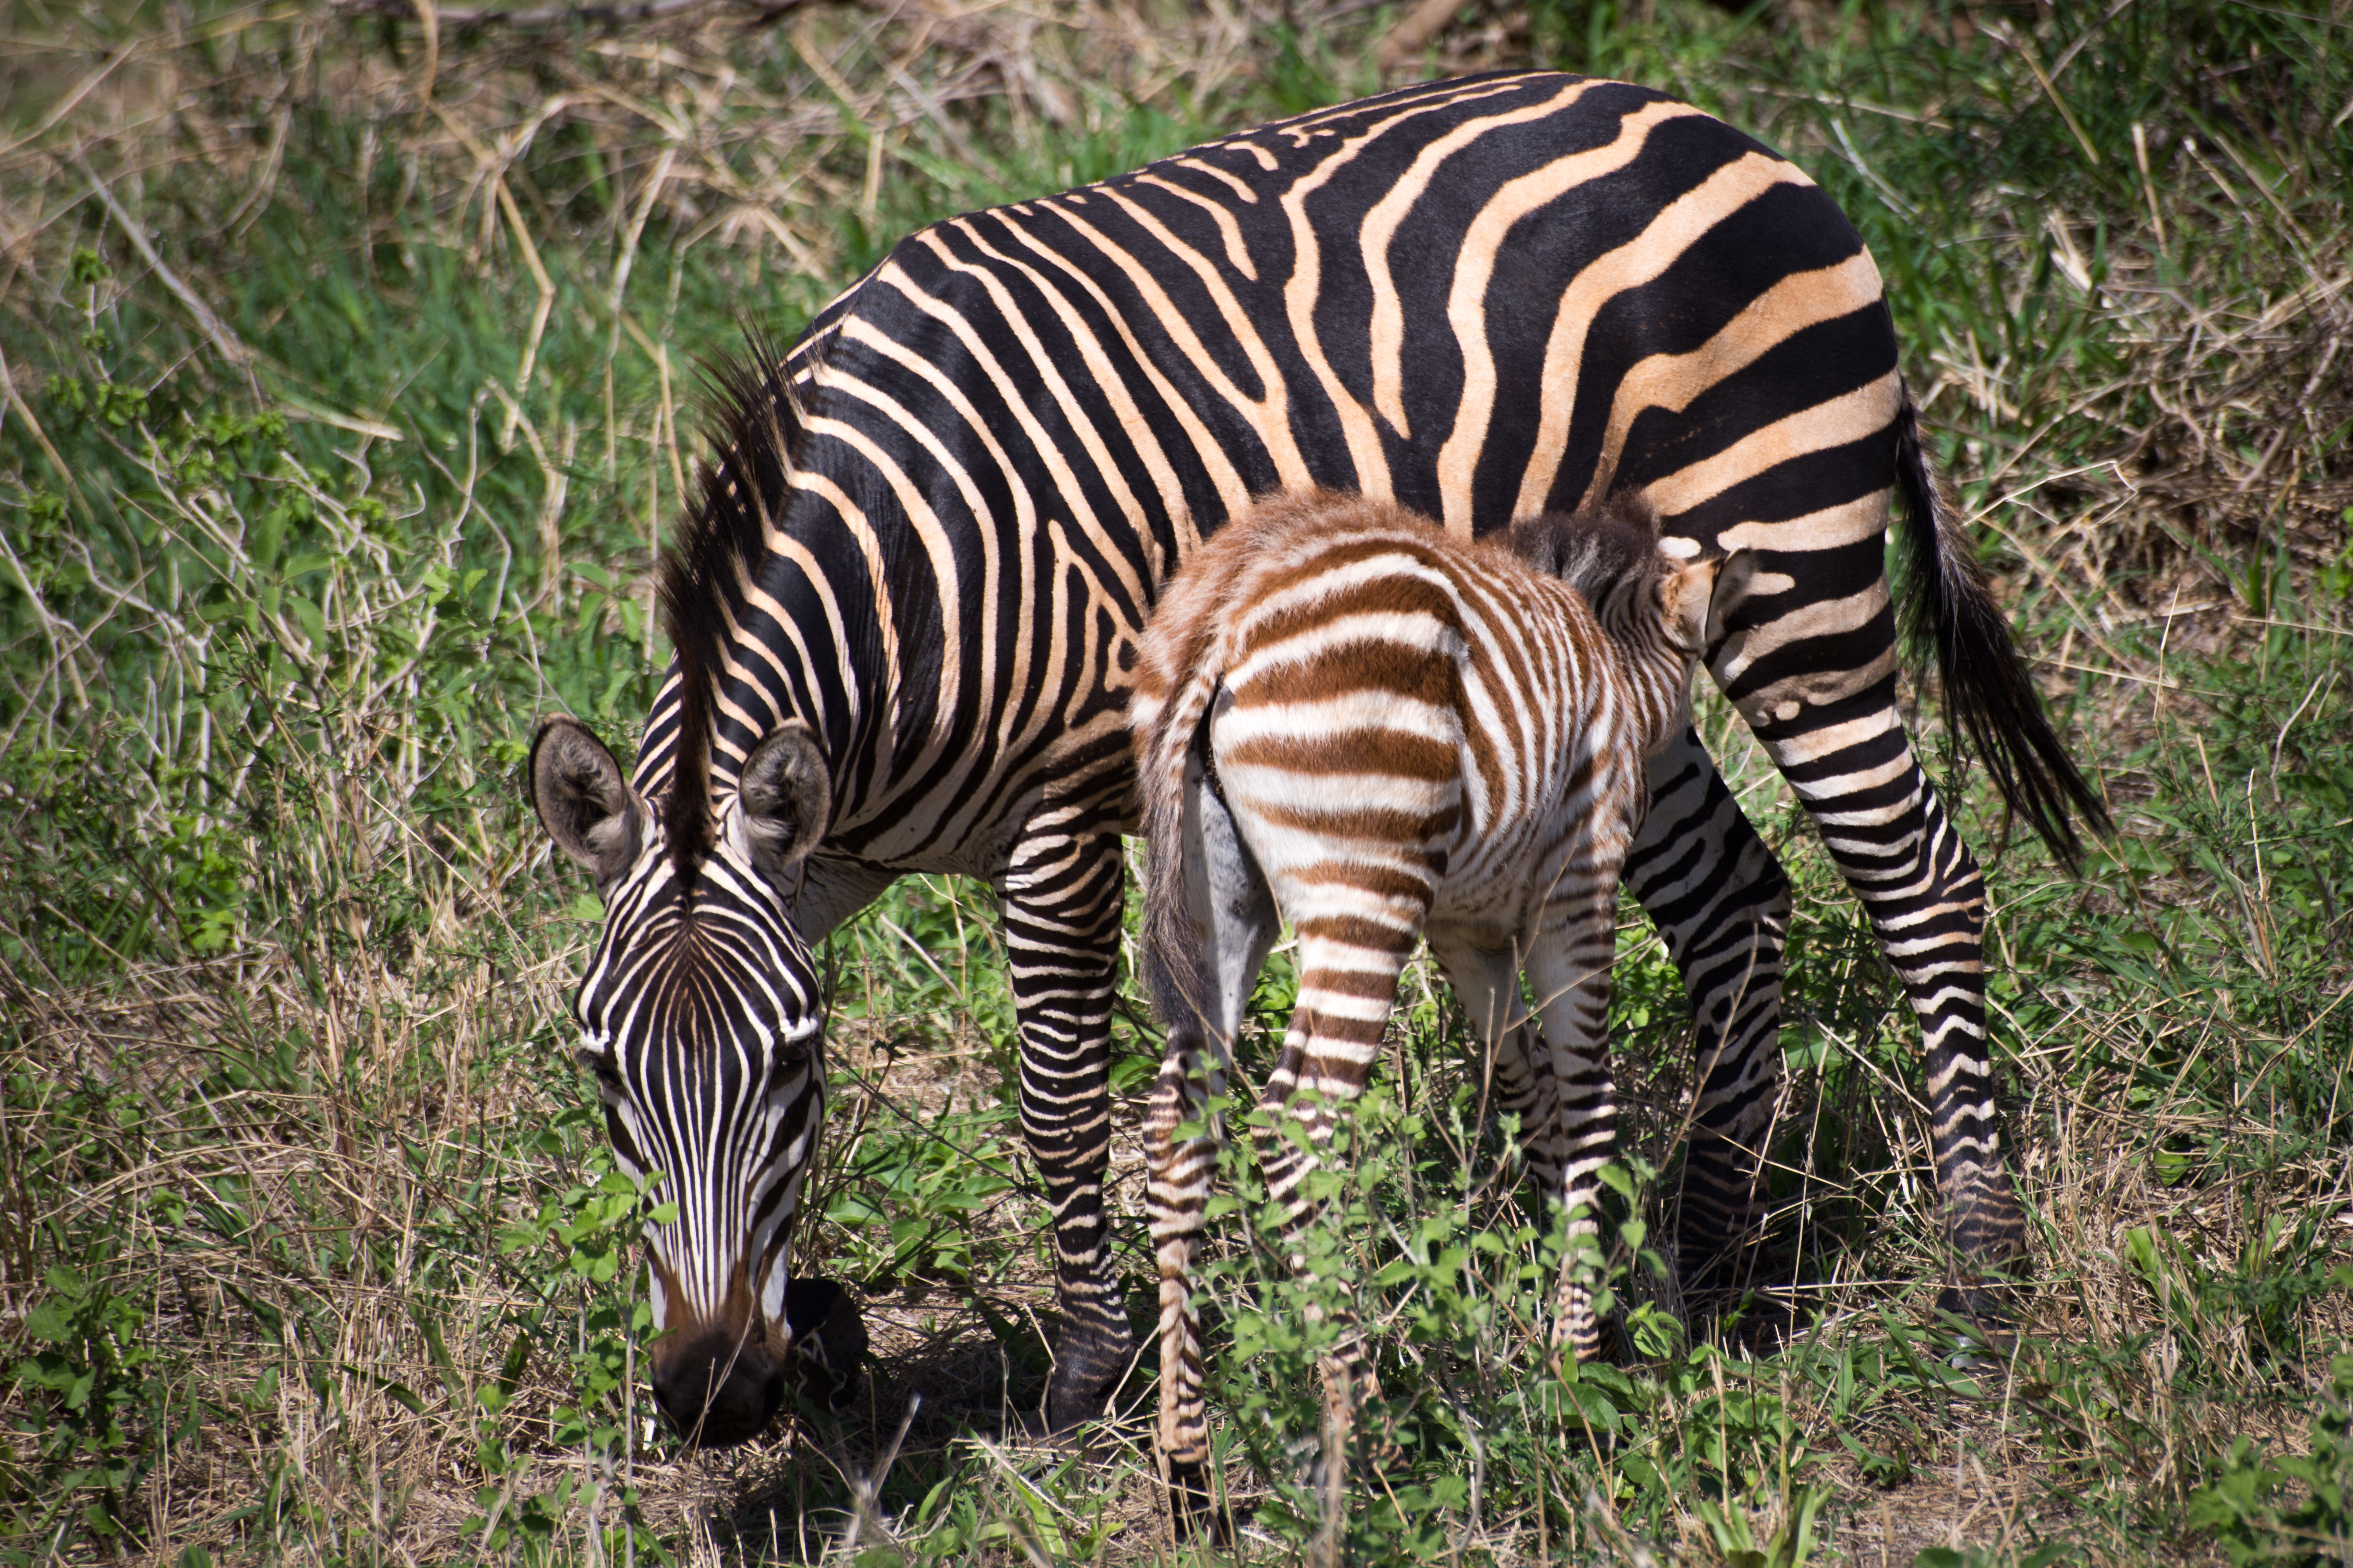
(91, 1403)
(2288, 1507)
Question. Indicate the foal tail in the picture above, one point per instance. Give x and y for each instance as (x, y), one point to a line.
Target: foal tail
(1949, 608)
(1165, 730)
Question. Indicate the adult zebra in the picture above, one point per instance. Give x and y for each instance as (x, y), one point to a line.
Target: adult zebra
(928, 539)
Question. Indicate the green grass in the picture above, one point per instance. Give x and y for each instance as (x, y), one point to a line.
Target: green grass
(310, 1251)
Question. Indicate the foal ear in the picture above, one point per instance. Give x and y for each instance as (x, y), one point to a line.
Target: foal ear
(787, 793)
(1695, 599)
(1736, 575)
(588, 808)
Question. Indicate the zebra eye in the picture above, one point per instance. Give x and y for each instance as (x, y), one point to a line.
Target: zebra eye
(785, 1064)
(795, 1044)
(608, 1071)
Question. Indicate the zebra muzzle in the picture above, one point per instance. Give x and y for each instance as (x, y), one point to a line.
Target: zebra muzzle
(719, 1387)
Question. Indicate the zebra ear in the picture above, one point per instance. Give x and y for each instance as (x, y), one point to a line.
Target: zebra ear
(788, 794)
(588, 808)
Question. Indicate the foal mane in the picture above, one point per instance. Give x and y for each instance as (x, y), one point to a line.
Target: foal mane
(1596, 549)
(754, 418)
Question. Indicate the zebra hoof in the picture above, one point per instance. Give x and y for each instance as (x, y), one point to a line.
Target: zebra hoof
(1979, 1305)
(1086, 1369)
(828, 1336)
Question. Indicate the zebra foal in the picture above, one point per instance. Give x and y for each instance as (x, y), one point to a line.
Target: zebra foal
(1350, 719)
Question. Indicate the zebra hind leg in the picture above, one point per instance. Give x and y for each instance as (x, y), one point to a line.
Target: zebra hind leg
(1921, 887)
(1722, 903)
(1061, 918)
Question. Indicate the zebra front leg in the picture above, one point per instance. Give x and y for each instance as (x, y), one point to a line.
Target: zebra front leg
(1061, 902)
(1722, 903)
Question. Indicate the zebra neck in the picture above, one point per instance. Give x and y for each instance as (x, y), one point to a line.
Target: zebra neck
(1655, 679)
(794, 650)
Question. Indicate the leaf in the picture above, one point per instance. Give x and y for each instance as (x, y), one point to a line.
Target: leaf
(2140, 1246)
(314, 620)
(51, 1323)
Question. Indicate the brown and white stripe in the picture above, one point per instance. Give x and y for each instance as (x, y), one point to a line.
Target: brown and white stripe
(1349, 719)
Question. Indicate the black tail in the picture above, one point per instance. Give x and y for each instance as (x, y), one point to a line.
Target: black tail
(1949, 608)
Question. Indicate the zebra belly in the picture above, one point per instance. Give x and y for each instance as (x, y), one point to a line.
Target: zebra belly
(1495, 885)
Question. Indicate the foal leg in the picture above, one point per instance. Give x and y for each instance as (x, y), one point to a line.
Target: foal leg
(1518, 1064)
(1234, 916)
(1348, 971)
(1353, 946)
(1569, 966)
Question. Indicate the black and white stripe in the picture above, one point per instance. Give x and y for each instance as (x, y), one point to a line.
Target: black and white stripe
(1479, 298)
(743, 1099)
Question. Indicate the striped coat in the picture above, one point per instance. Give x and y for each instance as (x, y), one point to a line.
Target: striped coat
(1351, 721)
(933, 535)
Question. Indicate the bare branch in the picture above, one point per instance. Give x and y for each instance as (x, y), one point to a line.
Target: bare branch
(546, 15)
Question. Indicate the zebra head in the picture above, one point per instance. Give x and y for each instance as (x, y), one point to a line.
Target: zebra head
(701, 1018)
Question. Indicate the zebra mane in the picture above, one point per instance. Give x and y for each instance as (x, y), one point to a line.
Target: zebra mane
(1595, 550)
(755, 419)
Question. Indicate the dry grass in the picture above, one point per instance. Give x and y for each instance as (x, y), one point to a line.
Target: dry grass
(283, 967)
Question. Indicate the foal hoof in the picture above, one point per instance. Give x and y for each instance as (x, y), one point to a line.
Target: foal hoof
(1193, 1514)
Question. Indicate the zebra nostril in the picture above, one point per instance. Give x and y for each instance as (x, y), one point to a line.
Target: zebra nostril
(719, 1390)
